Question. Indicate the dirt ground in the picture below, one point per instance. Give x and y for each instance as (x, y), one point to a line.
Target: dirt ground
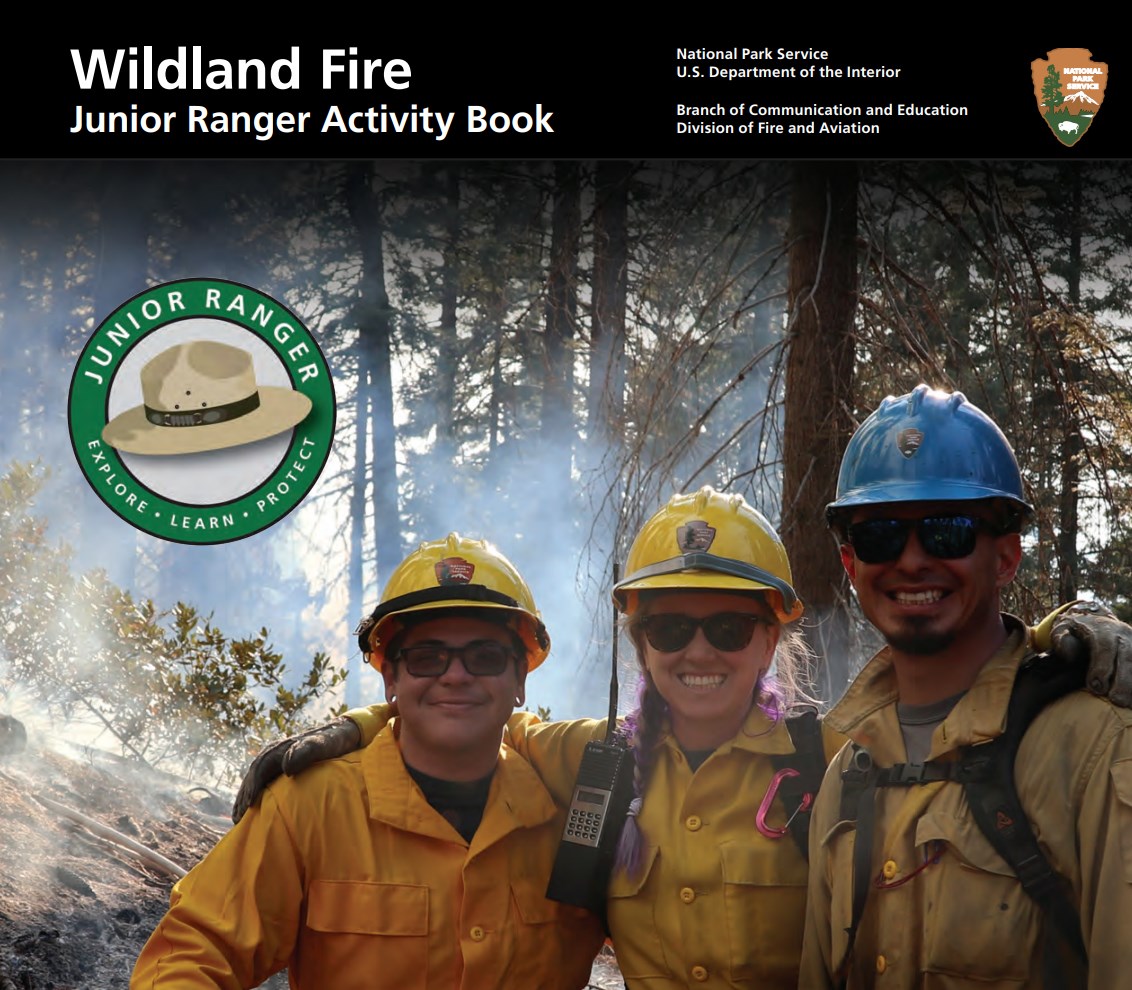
(75, 910)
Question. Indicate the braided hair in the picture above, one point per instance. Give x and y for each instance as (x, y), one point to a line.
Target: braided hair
(641, 730)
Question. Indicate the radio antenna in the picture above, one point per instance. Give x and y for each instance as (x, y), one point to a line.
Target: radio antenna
(611, 725)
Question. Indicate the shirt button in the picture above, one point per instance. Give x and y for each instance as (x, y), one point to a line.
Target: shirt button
(693, 823)
(699, 974)
(687, 895)
(889, 869)
(882, 964)
(477, 934)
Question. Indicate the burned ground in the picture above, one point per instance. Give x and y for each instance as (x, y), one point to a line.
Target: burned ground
(76, 909)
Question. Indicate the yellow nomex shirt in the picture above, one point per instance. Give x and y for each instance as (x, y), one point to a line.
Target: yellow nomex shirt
(965, 920)
(351, 879)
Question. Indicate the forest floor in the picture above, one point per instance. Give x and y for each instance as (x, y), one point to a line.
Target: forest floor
(76, 909)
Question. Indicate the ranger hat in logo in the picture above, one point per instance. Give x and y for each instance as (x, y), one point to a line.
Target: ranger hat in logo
(203, 396)
(215, 371)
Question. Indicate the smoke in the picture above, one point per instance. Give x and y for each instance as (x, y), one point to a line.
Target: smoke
(560, 499)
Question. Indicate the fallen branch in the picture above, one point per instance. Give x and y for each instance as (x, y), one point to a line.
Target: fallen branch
(112, 835)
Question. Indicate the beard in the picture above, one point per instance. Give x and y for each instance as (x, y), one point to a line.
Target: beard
(917, 638)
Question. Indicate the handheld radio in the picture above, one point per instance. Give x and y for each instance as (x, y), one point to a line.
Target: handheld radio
(602, 792)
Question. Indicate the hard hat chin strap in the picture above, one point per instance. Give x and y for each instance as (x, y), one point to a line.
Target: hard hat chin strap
(721, 565)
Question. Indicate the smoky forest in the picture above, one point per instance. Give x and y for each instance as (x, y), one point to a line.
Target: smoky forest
(538, 353)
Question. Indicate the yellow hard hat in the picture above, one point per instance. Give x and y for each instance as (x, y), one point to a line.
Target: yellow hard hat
(709, 539)
(455, 572)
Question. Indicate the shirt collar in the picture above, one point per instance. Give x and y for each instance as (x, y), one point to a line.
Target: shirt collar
(517, 794)
(867, 710)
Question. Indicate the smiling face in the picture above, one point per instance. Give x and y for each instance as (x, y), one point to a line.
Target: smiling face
(932, 608)
(709, 691)
(451, 725)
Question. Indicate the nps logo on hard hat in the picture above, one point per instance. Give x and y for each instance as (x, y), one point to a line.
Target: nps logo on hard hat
(201, 411)
(908, 441)
(1069, 87)
(454, 570)
(695, 534)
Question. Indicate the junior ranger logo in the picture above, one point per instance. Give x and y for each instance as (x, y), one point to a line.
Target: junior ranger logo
(201, 411)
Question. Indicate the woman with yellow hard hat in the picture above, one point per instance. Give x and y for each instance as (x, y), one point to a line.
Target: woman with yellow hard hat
(709, 884)
(708, 887)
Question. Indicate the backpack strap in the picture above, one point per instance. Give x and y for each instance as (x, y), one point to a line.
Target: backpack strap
(986, 772)
(798, 793)
(859, 783)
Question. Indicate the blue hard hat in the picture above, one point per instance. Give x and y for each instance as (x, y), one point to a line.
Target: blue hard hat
(926, 446)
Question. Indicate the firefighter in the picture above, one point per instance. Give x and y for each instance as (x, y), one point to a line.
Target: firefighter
(710, 884)
(906, 889)
(709, 887)
(420, 861)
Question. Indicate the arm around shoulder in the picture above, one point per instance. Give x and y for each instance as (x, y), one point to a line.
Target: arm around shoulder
(554, 749)
(370, 720)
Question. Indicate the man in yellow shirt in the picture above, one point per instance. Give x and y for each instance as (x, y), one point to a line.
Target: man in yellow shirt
(906, 891)
(420, 861)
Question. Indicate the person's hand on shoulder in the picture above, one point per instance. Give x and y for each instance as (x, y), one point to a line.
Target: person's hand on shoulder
(1089, 633)
(292, 756)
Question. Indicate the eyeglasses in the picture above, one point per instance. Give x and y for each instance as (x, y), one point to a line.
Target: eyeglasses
(481, 658)
(879, 541)
(726, 631)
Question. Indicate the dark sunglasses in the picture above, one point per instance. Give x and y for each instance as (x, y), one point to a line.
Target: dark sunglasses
(879, 541)
(726, 631)
(481, 658)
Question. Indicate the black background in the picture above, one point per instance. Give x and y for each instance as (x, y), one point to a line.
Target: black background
(612, 94)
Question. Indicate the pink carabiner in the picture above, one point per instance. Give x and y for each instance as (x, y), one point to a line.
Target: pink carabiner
(770, 831)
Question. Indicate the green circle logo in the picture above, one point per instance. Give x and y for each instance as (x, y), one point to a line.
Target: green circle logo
(201, 411)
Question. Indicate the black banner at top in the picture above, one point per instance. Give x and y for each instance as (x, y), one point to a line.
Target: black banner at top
(720, 92)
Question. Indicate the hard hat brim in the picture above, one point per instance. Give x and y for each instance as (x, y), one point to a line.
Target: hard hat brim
(937, 491)
(624, 595)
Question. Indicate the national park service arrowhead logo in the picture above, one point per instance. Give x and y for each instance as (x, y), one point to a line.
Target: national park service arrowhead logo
(908, 441)
(454, 570)
(695, 535)
(1069, 87)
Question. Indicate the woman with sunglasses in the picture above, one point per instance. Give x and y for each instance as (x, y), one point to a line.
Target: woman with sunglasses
(708, 886)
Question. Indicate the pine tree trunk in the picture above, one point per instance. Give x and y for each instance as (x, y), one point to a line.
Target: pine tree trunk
(819, 373)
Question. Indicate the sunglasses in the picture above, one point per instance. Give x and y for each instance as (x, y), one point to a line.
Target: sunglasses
(481, 658)
(726, 631)
(880, 541)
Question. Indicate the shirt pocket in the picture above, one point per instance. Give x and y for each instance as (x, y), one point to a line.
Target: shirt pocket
(535, 908)
(632, 920)
(764, 900)
(979, 924)
(355, 925)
